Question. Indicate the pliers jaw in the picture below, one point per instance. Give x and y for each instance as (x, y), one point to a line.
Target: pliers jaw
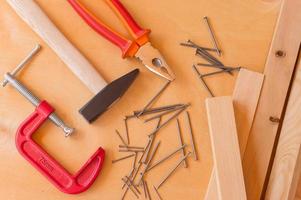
(154, 61)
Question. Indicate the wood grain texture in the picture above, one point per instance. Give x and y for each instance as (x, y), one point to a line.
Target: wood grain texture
(225, 147)
(298, 194)
(35, 17)
(278, 73)
(245, 98)
(286, 169)
(238, 25)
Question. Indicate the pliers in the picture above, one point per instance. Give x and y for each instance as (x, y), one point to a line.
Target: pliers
(140, 47)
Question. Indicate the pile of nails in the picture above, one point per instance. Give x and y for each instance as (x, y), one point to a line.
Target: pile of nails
(144, 156)
(205, 54)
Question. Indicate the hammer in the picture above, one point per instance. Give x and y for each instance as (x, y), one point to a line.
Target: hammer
(105, 94)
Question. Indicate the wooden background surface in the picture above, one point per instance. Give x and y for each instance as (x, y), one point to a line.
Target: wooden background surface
(244, 30)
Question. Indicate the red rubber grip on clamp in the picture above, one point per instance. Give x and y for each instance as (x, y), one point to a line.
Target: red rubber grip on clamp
(48, 166)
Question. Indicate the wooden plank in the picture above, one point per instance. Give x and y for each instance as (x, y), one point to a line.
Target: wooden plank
(245, 98)
(225, 147)
(285, 173)
(278, 73)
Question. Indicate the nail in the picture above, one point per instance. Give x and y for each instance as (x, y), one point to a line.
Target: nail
(133, 176)
(129, 187)
(166, 157)
(127, 130)
(168, 120)
(147, 190)
(121, 138)
(149, 161)
(214, 73)
(173, 170)
(152, 139)
(191, 136)
(132, 184)
(145, 148)
(158, 109)
(201, 51)
(123, 158)
(144, 189)
(213, 38)
(164, 113)
(135, 159)
(274, 119)
(206, 57)
(131, 150)
(157, 192)
(196, 46)
(203, 81)
(181, 141)
(154, 98)
(131, 147)
(218, 66)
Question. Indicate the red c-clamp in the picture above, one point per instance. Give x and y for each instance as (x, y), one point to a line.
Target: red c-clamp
(48, 166)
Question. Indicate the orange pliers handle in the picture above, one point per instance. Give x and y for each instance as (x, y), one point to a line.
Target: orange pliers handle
(128, 47)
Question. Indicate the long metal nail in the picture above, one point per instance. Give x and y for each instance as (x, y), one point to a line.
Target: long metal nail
(20, 66)
(123, 158)
(144, 189)
(166, 157)
(196, 46)
(213, 38)
(158, 109)
(154, 98)
(216, 72)
(205, 53)
(168, 120)
(218, 66)
(121, 138)
(191, 136)
(210, 56)
(129, 187)
(224, 68)
(134, 162)
(147, 190)
(204, 56)
(127, 130)
(157, 192)
(202, 80)
(164, 113)
(199, 47)
(136, 172)
(149, 161)
(173, 170)
(132, 184)
(131, 147)
(152, 139)
(145, 149)
(130, 150)
(181, 141)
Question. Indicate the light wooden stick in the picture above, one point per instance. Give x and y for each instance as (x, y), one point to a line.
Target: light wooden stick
(225, 148)
(286, 169)
(33, 15)
(245, 99)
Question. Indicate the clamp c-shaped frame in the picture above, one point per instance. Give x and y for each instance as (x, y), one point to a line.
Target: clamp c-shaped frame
(47, 165)
(41, 160)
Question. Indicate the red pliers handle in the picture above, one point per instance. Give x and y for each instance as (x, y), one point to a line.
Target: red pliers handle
(128, 47)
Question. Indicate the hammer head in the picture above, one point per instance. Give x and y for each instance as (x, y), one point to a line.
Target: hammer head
(107, 96)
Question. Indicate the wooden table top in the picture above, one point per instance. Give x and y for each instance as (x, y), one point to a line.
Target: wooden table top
(244, 30)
